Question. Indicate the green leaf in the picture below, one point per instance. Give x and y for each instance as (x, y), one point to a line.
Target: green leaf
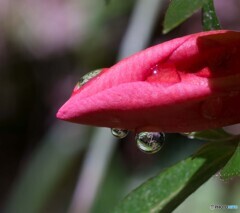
(209, 16)
(115, 178)
(46, 169)
(232, 167)
(167, 190)
(178, 11)
(210, 135)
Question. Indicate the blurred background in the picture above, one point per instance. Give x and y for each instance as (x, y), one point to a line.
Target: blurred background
(49, 165)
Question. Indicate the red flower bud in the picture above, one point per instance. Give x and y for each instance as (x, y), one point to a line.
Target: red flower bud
(186, 84)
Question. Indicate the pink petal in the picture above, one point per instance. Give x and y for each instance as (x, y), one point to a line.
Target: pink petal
(186, 84)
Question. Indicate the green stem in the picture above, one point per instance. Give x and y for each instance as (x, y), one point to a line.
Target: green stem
(209, 17)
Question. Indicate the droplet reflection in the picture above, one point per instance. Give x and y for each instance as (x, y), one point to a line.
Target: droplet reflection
(84, 79)
(190, 135)
(119, 133)
(150, 142)
(155, 70)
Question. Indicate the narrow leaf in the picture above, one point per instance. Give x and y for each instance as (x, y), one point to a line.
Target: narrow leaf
(178, 11)
(209, 16)
(166, 191)
(210, 135)
(232, 167)
(46, 169)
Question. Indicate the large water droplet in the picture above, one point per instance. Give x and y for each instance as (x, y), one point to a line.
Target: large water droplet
(212, 108)
(84, 79)
(119, 133)
(150, 142)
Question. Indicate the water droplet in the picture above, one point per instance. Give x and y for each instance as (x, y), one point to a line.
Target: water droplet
(84, 79)
(212, 108)
(119, 133)
(155, 70)
(150, 142)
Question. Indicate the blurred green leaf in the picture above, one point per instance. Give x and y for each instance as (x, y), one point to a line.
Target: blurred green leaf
(166, 191)
(178, 11)
(232, 167)
(209, 16)
(210, 135)
(112, 187)
(46, 168)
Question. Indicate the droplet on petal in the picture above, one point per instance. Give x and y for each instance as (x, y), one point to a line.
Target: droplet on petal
(119, 133)
(212, 109)
(166, 73)
(87, 77)
(150, 142)
(155, 70)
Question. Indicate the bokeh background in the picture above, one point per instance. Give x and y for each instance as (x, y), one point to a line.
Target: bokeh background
(49, 165)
